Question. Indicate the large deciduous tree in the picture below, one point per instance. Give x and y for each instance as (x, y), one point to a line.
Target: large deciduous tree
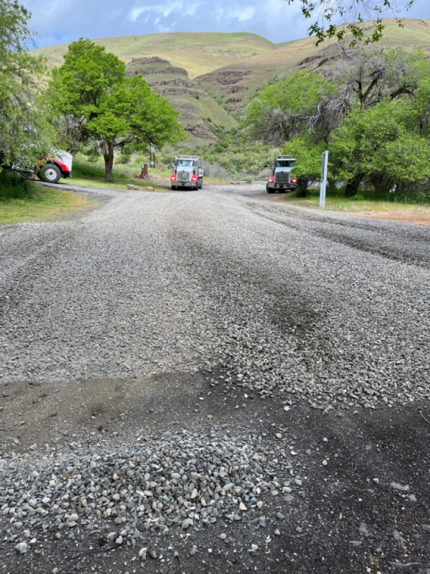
(372, 109)
(25, 134)
(282, 110)
(108, 110)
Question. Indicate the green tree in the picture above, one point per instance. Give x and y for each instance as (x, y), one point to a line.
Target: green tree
(108, 110)
(282, 110)
(308, 156)
(25, 133)
(382, 144)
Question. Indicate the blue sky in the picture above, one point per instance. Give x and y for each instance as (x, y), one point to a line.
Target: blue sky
(63, 21)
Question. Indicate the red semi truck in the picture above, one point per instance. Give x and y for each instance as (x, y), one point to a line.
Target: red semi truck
(280, 178)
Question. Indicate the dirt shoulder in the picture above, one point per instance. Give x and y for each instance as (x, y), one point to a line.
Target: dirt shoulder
(414, 216)
(406, 213)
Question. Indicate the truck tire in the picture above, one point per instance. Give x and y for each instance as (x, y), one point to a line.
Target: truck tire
(49, 173)
(270, 190)
(173, 187)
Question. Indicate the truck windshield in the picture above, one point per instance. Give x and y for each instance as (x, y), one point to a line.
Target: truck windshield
(185, 162)
(285, 162)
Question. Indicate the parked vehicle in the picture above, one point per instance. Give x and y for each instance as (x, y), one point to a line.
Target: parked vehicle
(187, 172)
(52, 168)
(280, 177)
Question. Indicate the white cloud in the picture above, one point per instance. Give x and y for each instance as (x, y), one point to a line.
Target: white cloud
(178, 8)
(241, 14)
(67, 20)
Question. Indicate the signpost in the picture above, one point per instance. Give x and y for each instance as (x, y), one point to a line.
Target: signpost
(323, 185)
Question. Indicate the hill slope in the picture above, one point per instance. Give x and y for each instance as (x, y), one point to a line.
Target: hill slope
(235, 84)
(210, 77)
(198, 53)
(198, 111)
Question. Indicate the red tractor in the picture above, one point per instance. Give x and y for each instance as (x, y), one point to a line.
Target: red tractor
(51, 169)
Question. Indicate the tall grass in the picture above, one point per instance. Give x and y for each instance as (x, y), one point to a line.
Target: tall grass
(13, 186)
(83, 170)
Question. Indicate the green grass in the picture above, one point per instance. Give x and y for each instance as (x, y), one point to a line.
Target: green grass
(40, 203)
(93, 175)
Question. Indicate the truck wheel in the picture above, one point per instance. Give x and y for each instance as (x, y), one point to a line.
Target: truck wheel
(269, 190)
(173, 187)
(49, 173)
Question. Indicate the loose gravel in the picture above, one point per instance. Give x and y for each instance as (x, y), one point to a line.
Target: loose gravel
(184, 480)
(323, 312)
(156, 283)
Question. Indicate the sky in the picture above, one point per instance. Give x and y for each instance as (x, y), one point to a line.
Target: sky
(62, 21)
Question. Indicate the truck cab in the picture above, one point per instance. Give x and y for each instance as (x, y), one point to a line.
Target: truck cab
(187, 171)
(280, 177)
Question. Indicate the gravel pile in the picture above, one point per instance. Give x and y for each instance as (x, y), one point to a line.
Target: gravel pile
(186, 480)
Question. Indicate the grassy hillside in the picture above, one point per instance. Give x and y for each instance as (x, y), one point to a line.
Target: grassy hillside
(210, 77)
(199, 113)
(235, 84)
(198, 53)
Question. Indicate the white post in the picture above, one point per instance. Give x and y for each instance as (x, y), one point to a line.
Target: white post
(323, 185)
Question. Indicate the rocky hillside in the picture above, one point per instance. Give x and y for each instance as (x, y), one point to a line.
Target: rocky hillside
(210, 77)
(199, 113)
(235, 84)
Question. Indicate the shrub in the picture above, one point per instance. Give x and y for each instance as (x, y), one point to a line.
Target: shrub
(13, 186)
(123, 159)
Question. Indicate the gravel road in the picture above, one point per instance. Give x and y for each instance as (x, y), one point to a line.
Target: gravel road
(254, 375)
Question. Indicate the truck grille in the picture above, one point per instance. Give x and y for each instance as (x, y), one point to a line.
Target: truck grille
(183, 176)
(282, 177)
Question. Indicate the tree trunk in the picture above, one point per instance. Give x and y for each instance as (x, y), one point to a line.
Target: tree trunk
(108, 156)
(382, 184)
(352, 185)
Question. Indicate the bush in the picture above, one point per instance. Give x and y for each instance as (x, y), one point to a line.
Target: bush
(214, 170)
(123, 159)
(13, 186)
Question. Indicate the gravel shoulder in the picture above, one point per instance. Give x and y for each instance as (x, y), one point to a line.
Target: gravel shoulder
(185, 342)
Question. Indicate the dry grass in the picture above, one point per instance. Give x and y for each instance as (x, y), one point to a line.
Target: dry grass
(198, 52)
(365, 204)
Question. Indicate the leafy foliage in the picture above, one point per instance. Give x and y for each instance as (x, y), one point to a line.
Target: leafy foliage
(382, 143)
(308, 156)
(352, 14)
(373, 114)
(25, 132)
(283, 110)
